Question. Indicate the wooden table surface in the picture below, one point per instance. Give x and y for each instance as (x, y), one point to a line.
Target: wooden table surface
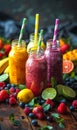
(70, 119)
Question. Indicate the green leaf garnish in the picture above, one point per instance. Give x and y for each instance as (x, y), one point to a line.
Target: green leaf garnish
(33, 102)
(12, 119)
(46, 128)
(58, 119)
(46, 107)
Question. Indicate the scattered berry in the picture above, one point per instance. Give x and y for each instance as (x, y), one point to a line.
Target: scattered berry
(34, 122)
(12, 90)
(12, 101)
(74, 104)
(27, 110)
(2, 84)
(21, 104)
(62, 108)
(49, 101)
(72, 108)
(3, 95)
(31, 115)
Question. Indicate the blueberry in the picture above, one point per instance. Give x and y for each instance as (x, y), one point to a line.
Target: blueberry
(68, 83)
(72, 80)
(63, 100)
(72, 108)
(26, 105)
(34, 122)
(8, 86)
(13, 85)
(31, 115)
(21, 104)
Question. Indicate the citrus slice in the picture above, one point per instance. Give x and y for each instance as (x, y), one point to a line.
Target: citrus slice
(68, 66)
(4, 77)
(68, 92)
(49, 93)
(60, 88)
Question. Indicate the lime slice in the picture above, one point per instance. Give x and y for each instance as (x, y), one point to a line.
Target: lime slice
(68, 92)
(60, 88)
(4, 77)
(49, 93)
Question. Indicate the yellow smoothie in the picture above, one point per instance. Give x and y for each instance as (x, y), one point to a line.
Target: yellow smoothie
(17, 59)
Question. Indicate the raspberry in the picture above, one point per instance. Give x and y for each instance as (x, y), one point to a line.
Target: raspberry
(49, 101)
(12, 90)
(27, 110)
(17, 90)
(3, 95)
(12, 100)
(74, 104)
(62, 108)
(2, 84)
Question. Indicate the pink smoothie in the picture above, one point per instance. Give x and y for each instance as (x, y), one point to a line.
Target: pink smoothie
(36, 74)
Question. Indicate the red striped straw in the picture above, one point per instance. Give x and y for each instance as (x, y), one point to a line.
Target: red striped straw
(55, 32)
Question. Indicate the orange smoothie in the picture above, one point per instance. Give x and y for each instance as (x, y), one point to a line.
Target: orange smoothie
(17, 59)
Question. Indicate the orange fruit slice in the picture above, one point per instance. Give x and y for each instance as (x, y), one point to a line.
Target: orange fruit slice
(68, 66)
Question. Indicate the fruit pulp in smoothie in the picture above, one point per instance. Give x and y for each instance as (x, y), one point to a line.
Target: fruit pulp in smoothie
(17, 58)
(36, 71)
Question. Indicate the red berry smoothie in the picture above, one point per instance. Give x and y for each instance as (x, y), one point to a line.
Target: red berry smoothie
(36, 73)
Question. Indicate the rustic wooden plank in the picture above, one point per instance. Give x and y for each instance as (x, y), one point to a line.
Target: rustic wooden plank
(25, 122)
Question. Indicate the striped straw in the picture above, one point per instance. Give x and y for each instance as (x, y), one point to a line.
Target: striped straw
(36, 27)
(40, 38)
(21, 32)
(55, 32)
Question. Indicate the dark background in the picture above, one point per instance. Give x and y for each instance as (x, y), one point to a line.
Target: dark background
(49, 10)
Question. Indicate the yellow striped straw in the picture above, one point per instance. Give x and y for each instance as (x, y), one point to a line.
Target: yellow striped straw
(36, 28)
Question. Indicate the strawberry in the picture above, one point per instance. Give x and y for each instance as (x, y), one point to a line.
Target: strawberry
(1, 43)
(64, 48)
(37, 109)
(62, 108)
(27, 110)
(12, 100)
(7, 48)
(40, 115)
(74, 104)
(3, 95)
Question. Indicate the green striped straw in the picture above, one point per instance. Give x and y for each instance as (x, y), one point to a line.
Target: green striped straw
(22, 31)
(40, 39)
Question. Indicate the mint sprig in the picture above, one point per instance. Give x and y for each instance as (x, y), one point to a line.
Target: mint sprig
(58, 119)
(13, 120)
(48, 127)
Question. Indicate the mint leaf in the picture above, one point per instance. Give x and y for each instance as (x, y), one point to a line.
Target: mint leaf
(33, 102)
(16, 123)
(46, 107)
(61, 125)
(55, 115)
(46, 128)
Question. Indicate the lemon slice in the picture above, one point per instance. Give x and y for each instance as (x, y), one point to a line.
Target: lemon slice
(68, 92)
(49, 93)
